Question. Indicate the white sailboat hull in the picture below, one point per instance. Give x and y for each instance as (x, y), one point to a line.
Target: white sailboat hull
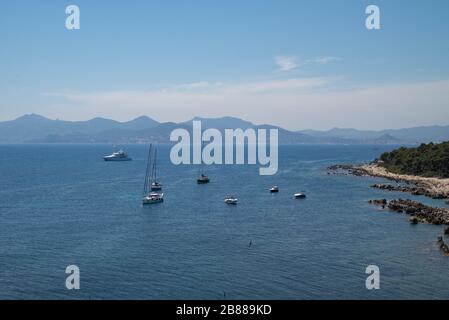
(155, 198)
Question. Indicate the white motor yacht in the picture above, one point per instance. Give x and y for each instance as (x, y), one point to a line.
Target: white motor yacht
(117, 156)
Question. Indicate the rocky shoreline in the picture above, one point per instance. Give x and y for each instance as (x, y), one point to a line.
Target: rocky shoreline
(418, 212)
(431, 187)
(414, 190)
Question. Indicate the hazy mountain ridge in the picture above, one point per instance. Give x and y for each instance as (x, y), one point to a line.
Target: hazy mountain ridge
(37, 129)
(407, 135)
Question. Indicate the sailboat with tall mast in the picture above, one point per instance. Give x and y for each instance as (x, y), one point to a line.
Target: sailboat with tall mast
(155, 185)
(149, 196)
(202, 179)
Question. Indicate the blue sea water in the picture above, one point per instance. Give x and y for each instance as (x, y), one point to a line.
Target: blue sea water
(62, 205)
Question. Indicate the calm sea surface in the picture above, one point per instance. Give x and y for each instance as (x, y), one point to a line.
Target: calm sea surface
(62, 205)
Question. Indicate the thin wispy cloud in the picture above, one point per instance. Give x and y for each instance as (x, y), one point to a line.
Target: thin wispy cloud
(325, 60)
(201, 85)
(286, 63)
(210, 88)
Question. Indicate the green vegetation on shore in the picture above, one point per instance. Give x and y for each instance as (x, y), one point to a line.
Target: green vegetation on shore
(427, 160)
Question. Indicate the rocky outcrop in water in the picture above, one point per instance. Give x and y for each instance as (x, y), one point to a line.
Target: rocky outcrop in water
(446, 230)
(414, 190)
(419, 213)
(413, 220)
(422, 212)
(347, 169)
(379, 202)
(443, 246)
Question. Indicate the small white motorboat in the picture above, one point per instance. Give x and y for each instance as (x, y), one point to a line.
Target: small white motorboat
(231, 200)
(300, 195)
(117, 156)
(274, 189)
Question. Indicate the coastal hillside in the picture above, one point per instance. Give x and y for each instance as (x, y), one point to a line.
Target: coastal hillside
(427, 160)
(38, 129)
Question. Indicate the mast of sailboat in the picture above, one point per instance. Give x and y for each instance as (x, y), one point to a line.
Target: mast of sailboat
(154, 163)
(147, 182)
(201, 172)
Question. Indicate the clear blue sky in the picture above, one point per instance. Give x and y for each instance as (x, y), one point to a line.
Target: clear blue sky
(173, 60)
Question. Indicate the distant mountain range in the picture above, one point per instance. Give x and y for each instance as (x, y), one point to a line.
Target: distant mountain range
(37, 129)
(408, 135)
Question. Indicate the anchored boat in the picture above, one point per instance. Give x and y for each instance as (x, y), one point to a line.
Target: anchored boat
(117, 156)
(155, 186)
(149, 196)
(153, 197)
(300, 195)
(231, 200)
(203, 179)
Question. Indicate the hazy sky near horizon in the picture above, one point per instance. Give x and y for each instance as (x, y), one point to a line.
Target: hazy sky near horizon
(297, 64)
